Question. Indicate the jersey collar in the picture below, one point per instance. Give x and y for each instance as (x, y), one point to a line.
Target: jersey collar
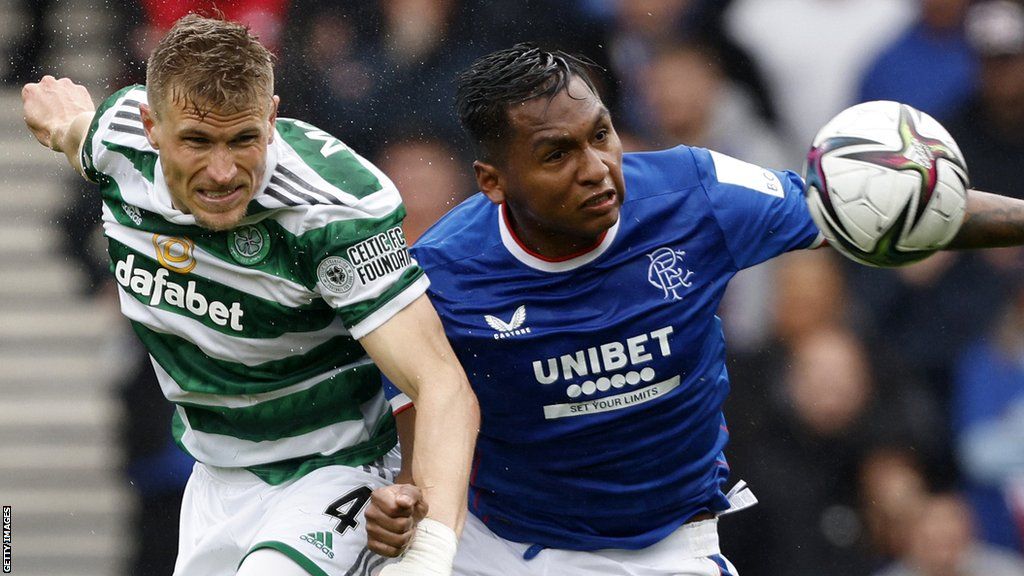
(538, 262)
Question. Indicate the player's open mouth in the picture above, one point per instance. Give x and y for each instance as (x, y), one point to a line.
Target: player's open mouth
(602, 200)
(223, 196)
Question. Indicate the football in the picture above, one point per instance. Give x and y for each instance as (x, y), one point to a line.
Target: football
(886, 184)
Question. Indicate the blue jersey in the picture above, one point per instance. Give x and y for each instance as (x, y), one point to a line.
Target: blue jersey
(601, 378)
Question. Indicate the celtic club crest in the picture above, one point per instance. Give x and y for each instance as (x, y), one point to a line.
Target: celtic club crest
(667, 271)
(249, 245)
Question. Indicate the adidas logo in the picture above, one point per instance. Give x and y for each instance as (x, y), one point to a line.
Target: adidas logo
(512, 327)
(324, 541)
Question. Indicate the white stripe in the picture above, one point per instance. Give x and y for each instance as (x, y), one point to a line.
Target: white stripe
(230, 452)
(219, 346)
(394, 306)
(209, 266)
(174, 393)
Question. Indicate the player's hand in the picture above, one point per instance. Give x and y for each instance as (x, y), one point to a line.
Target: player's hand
(391, 518)
(51, 105)
(431, 552)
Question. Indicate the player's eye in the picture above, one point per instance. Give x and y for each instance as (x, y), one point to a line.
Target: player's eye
(601, 135)
(555, 156)
(196, 140)
(245, 139)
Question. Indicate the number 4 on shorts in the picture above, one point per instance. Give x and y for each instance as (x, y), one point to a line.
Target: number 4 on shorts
(346, 508)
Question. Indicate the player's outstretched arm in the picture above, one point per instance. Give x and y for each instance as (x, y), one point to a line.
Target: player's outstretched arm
(412, 350)
(991, 221)
(58, 113)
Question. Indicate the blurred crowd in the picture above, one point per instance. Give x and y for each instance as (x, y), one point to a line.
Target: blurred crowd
(878, 414)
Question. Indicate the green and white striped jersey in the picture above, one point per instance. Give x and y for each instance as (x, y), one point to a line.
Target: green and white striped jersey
(253, 332)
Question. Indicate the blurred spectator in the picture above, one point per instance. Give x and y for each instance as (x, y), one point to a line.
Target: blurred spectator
(688, 99)
(812, 52)
(989, 425)
(641, 29)
(365, 71)
(24, 62)
(922, 316)
(990, 128)
(941, 542)
(931, 66)
(824, 416)
(893, 489)
(431, 179)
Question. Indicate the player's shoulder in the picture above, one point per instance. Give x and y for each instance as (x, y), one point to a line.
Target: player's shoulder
(117, 127)
(658, 172)
(466, 231)
(314, 168)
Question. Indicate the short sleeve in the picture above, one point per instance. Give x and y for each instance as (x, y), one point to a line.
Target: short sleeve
(762, 212)
(116, 126)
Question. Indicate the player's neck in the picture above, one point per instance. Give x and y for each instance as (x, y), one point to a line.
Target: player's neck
(546, 244)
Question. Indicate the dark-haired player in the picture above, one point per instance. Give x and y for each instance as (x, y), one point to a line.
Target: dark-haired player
(579, 291)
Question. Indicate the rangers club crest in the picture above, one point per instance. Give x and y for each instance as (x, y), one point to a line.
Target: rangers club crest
(667, 272)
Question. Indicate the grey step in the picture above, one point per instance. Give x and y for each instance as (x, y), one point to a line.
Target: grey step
(47, 280)
(56, 411)
(62, 320)
(34, 196)
(19, 238)
(71, 456)
(39, 368)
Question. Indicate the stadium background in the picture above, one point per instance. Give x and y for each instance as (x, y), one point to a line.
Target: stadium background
(876, 413)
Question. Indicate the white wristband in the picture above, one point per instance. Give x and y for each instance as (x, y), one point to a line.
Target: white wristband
(431, 552)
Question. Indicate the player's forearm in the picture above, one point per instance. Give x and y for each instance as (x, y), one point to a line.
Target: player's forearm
(70, 137)
(447, 421)
(991, 221)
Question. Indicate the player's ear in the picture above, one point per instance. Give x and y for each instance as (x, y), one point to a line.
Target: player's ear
(490, 181)
(149, 125)
(274, 103)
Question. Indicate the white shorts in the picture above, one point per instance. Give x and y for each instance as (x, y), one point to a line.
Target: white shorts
(692, 550)
(317, 520)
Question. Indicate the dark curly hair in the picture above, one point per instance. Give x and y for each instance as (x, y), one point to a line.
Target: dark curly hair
(494, 82)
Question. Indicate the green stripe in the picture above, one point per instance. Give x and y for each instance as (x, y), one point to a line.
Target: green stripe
(261, 318)
(339, 235)
(341, 168)
(296, 556)
(383, 439)
(107, 104)
(336, 399)
(194, 371)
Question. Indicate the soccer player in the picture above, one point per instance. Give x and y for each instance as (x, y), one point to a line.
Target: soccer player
(263, 265)
(579, 290)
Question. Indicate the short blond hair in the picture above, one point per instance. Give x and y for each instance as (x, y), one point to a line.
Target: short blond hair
(210, 64)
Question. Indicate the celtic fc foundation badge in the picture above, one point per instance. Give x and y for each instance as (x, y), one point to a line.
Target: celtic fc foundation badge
(250, 244)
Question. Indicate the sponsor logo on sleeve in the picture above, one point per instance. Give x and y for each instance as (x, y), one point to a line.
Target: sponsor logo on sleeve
(336, 274)
(380, 255)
